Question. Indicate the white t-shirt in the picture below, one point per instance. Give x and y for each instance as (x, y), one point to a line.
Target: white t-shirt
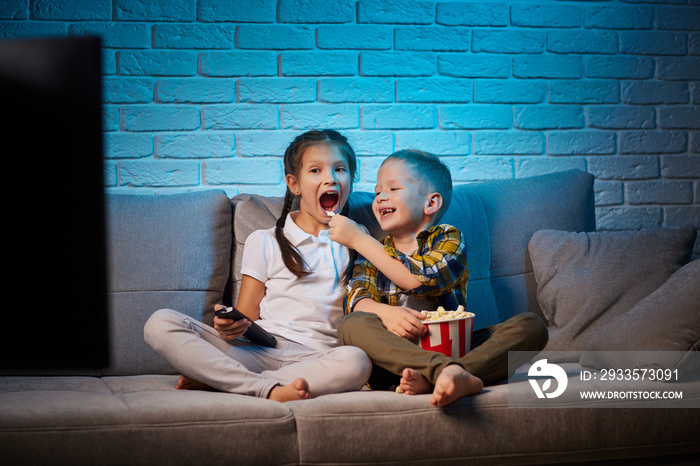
(306, 311)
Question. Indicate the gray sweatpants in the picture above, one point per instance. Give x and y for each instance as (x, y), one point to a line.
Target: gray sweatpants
(198, 351)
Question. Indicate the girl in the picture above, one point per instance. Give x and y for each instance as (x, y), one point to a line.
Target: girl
(292, 278)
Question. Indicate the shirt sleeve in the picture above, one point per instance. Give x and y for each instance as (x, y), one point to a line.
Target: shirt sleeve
(440, 263)
(363, 283)
(255, 256)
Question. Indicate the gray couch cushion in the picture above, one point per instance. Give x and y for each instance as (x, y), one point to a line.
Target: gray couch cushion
(166, 251)
(138, 420)
(379, 427)
(667, 320)
(585, 280)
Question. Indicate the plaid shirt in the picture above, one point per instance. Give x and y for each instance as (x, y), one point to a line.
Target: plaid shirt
(440, 264)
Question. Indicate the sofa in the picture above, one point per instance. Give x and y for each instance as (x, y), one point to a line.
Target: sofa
(532, 246)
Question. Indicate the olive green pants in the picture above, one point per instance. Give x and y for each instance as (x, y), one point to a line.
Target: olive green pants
(487, 359)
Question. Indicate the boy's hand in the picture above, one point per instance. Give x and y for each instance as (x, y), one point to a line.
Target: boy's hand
(404, 321)
(344, 230)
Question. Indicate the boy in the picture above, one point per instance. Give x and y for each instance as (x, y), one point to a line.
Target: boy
(420, 265)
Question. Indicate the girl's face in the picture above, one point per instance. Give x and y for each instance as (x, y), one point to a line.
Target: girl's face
(323, 183)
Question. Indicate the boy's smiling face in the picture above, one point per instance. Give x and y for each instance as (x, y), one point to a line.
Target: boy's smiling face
(400, 200)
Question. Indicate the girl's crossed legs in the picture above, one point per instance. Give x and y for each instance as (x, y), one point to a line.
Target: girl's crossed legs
(198, 352)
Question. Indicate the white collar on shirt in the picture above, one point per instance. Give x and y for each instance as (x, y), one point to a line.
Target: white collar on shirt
(297, 236)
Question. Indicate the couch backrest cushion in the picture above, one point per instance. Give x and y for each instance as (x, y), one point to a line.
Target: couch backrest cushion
(585, 280)
(498, 219)
(166, 251)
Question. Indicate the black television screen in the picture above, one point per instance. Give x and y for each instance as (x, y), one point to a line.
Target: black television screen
(55, 290)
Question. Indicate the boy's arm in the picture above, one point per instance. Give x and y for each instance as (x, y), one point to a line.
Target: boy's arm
(345, 231)
(362, 284)
(442, 262)
(363, 296)
(402, 321)
(391, 267)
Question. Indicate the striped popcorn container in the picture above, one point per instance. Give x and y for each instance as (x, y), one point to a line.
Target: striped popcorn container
(453, 338)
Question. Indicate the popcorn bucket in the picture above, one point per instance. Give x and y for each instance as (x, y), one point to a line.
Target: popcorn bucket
(453, 338)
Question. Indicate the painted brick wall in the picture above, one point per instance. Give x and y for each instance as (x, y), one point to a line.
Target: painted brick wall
(208, 93)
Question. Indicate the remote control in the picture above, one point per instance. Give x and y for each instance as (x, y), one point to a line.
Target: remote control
(255, 333)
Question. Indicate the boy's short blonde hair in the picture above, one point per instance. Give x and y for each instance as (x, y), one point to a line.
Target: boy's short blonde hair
(429, 172)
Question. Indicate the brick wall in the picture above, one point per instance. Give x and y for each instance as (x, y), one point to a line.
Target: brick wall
(208, 93)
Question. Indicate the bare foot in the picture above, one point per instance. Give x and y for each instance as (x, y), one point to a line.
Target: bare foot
(454, 383)
(297, 390)
(413, 383)
(186, 383)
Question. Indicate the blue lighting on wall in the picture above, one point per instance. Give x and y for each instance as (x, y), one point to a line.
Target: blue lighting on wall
(203, 94)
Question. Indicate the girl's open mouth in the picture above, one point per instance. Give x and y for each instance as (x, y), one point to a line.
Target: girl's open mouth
(329, 201)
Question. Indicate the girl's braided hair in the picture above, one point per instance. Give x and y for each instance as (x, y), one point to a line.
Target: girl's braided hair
(292, 164)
